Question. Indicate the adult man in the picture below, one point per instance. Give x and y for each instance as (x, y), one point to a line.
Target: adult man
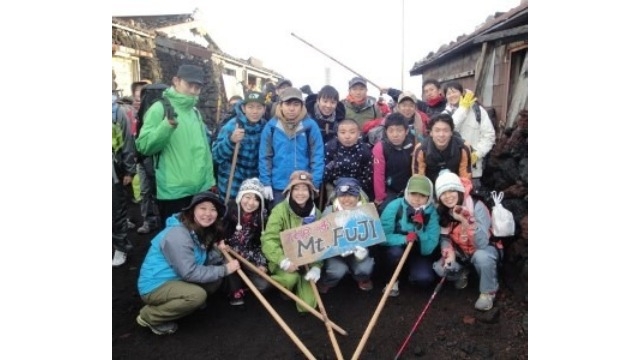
(290, 141)
(182, 156)
(280, 87)
(433, 101)
(358, 105)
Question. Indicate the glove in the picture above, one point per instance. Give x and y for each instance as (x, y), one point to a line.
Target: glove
(285, 263)
(467, 100)
(411, 237)
(347, 253)
(268, 193)
(360, 253)
(448, 258)
(474, 158)
(313, 274)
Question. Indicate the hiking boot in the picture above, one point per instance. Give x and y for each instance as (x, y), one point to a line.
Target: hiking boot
(463, 280)
(160, 329)
(119, 258)
(130, 225)
(237, 298)
(485, 301)
(144, 229)
(395, 289)
(365, 285)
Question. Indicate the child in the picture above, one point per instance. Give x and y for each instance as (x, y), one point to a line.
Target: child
(183, 265)
(244, 223)
(407, 219)
(295, 210)
(392, 160)
(245, 129)
(348, 156)
(465, 238)
(348, 196)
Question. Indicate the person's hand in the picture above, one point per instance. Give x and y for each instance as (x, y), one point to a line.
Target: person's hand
(262, 268)
(313, 274)
(222, 246)
(448, 257)
(172, 122)
(232, 266)
(411, 237)
(268, 193)
(126, 180)
(360, 253)
(474, 157)
(467, 100)
(237, 135)
(287, 266)
(347, 253)
(460, 213)
(214, 189)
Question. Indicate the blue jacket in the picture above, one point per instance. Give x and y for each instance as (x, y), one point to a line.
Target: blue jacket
(175, 254)
(247, 162)
(281, 155)
(396, 231)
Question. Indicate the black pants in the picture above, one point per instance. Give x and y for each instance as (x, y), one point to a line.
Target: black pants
(119, 238)
(170, 207)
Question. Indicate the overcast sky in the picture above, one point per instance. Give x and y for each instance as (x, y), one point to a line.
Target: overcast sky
(363, 35)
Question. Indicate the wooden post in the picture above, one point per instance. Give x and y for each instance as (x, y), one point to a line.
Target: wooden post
(332, 336)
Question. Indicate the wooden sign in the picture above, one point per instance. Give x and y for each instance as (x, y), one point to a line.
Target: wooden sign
(333, 234)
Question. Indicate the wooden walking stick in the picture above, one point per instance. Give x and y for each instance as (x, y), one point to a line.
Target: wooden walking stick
(233, 164)
(376, 314)
(285, 291)
(332, 336)
(269, 308)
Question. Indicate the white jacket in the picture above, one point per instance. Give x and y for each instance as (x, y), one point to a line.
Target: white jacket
(481, 135)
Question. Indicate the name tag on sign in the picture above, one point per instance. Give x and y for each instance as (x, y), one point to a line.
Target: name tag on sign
(333, 234)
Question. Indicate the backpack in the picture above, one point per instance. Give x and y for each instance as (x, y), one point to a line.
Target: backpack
(148, 96)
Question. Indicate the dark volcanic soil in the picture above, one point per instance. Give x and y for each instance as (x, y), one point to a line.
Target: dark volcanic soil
(451, 328)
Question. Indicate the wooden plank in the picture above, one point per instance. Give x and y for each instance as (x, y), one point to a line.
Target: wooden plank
(502, 35)
(332, 235)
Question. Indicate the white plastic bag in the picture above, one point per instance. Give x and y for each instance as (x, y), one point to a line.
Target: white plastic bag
(502, 223)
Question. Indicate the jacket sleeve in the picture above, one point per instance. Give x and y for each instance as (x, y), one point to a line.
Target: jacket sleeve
(429, 238)
(265, 155)
(487, 134)
(270, 239)
(155, 132)
(316, 154)
(388, 220)
(459, 115)
(379, 172)
(178, 249)
(128, 146)
(483, 223)
(223, 147)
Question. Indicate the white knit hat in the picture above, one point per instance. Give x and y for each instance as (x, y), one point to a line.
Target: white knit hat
(448, 181)
(251, 186)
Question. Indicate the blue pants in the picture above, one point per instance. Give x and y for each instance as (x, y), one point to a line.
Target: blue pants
(420, 267)
(485, 262)
(337, 267)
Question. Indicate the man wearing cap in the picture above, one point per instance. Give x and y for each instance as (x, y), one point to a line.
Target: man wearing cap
(182, 156)
(290, 141)
(433, 101)
(245, 130)
(358, 105)
(417, 120)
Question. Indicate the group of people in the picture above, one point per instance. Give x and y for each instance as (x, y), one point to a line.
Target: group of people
(312, 156)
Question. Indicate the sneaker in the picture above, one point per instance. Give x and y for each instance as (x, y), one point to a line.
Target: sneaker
(119, 258)
(395, 289)
(130, 225)
(144, 229)
(366, 285)
(237, 298)
(160, 329)
(485, 301)
(463, 280)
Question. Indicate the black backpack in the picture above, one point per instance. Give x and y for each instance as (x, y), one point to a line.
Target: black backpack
(148, 96)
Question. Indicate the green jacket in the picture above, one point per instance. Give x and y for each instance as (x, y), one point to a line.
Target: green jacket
(184, 165)
(281, 218)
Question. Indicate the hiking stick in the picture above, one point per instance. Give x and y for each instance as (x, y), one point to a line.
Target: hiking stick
(415, 326)
(332, 336)
(387, 290)
(332, 58)
(286, 291)
(269, 308)
(233, 166)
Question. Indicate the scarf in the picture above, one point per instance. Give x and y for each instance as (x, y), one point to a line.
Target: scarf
(435, 101)
(354, 102)
(301, 211)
